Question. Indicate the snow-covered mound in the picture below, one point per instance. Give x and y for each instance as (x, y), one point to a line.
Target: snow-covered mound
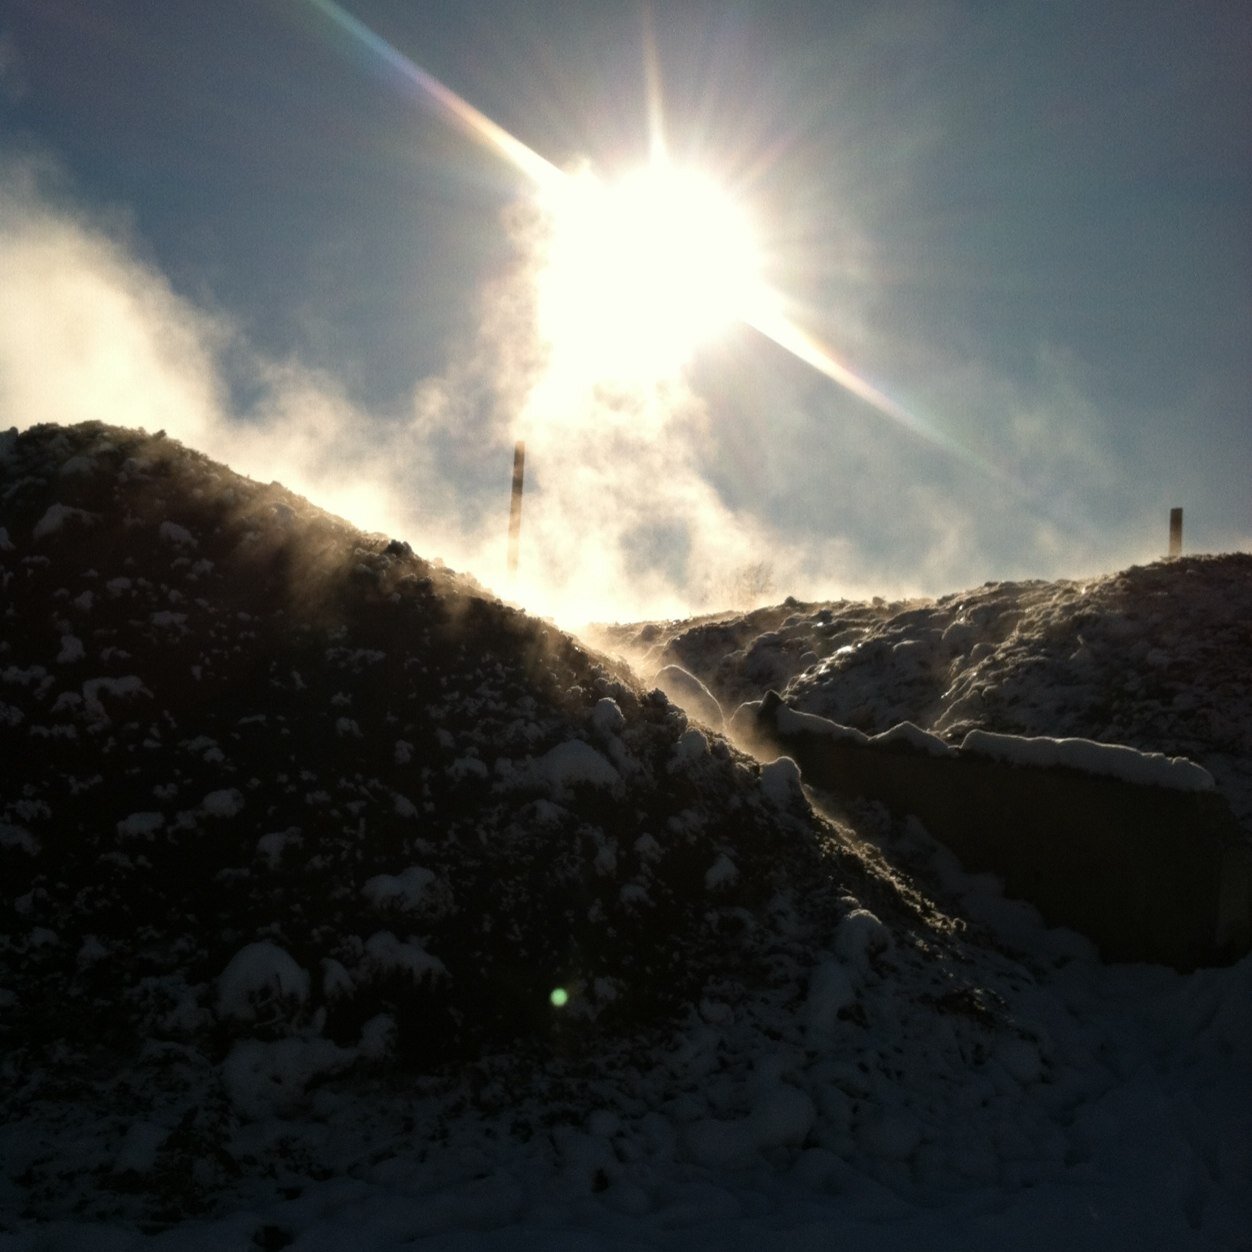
(291, 800)
(265, 773)
(1158, 658)
(344, 906)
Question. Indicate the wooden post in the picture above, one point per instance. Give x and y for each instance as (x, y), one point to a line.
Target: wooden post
(515, 509)
(1175, 532)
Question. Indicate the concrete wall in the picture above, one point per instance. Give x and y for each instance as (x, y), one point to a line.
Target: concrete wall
(1148, 873)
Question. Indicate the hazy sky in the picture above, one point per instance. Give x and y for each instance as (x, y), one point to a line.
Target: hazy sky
(1029, 226)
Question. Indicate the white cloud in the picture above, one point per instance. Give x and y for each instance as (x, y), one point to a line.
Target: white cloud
(87, 332)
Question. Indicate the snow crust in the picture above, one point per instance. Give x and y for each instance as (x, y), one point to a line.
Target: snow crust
(685, 689)
(795, 721)
(1110, 760)
(914, 737)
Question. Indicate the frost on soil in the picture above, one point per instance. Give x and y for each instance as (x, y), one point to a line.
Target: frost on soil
(346, 906)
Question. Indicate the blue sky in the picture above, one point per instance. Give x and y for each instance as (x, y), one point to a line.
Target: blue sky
(1028, 225)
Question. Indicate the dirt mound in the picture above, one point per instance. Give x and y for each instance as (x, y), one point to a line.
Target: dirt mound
(269, 775)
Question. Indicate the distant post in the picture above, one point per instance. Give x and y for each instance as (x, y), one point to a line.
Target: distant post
(1175, 532)
(515, 509)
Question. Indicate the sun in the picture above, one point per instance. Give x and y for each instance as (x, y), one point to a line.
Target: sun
(638, 272)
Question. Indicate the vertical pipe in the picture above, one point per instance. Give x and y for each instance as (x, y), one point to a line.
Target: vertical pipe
(515, 509)
(1175, 532)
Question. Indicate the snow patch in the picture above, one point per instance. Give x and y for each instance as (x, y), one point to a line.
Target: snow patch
(90, 952)
(405, 889)
(791, 721)
(175, 535)
(57, 516)
(467, 767)
(71, 650)
(575, 763)
(860, 937)
(228, 802)
(378, 1037)
(260, 977)
(16, 838)
(387, 954)
(780, 781)
(121, 688)
(782, 1116)
(137, 1153)
(607, 717)
(273, 845)
(263, 1079)
(692, 745)
(830, 990)
(722, 873)
(140, 825)
(914, 737)
(890, 1135)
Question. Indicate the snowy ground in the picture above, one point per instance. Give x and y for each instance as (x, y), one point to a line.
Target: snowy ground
(786, 1027)
(1158, 657)
(1113, 1114)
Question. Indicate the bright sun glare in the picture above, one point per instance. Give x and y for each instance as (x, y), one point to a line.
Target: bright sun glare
(641, 271)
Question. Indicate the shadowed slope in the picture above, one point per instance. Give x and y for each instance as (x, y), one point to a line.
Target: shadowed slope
(298, 833)
(230, 719)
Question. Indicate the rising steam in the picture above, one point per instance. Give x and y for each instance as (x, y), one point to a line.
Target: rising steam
(618, 520)
(623, 519)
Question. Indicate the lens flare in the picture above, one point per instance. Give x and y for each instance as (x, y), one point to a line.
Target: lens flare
(662, 247)
(558, 997)
(454, 108)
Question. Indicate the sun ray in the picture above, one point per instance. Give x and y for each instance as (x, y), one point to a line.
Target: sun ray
(657, 148)
(456, 109)
(780, 330)
(761, 308)
(784, 332)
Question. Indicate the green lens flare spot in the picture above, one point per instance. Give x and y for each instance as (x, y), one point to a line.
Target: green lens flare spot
(559, 997)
